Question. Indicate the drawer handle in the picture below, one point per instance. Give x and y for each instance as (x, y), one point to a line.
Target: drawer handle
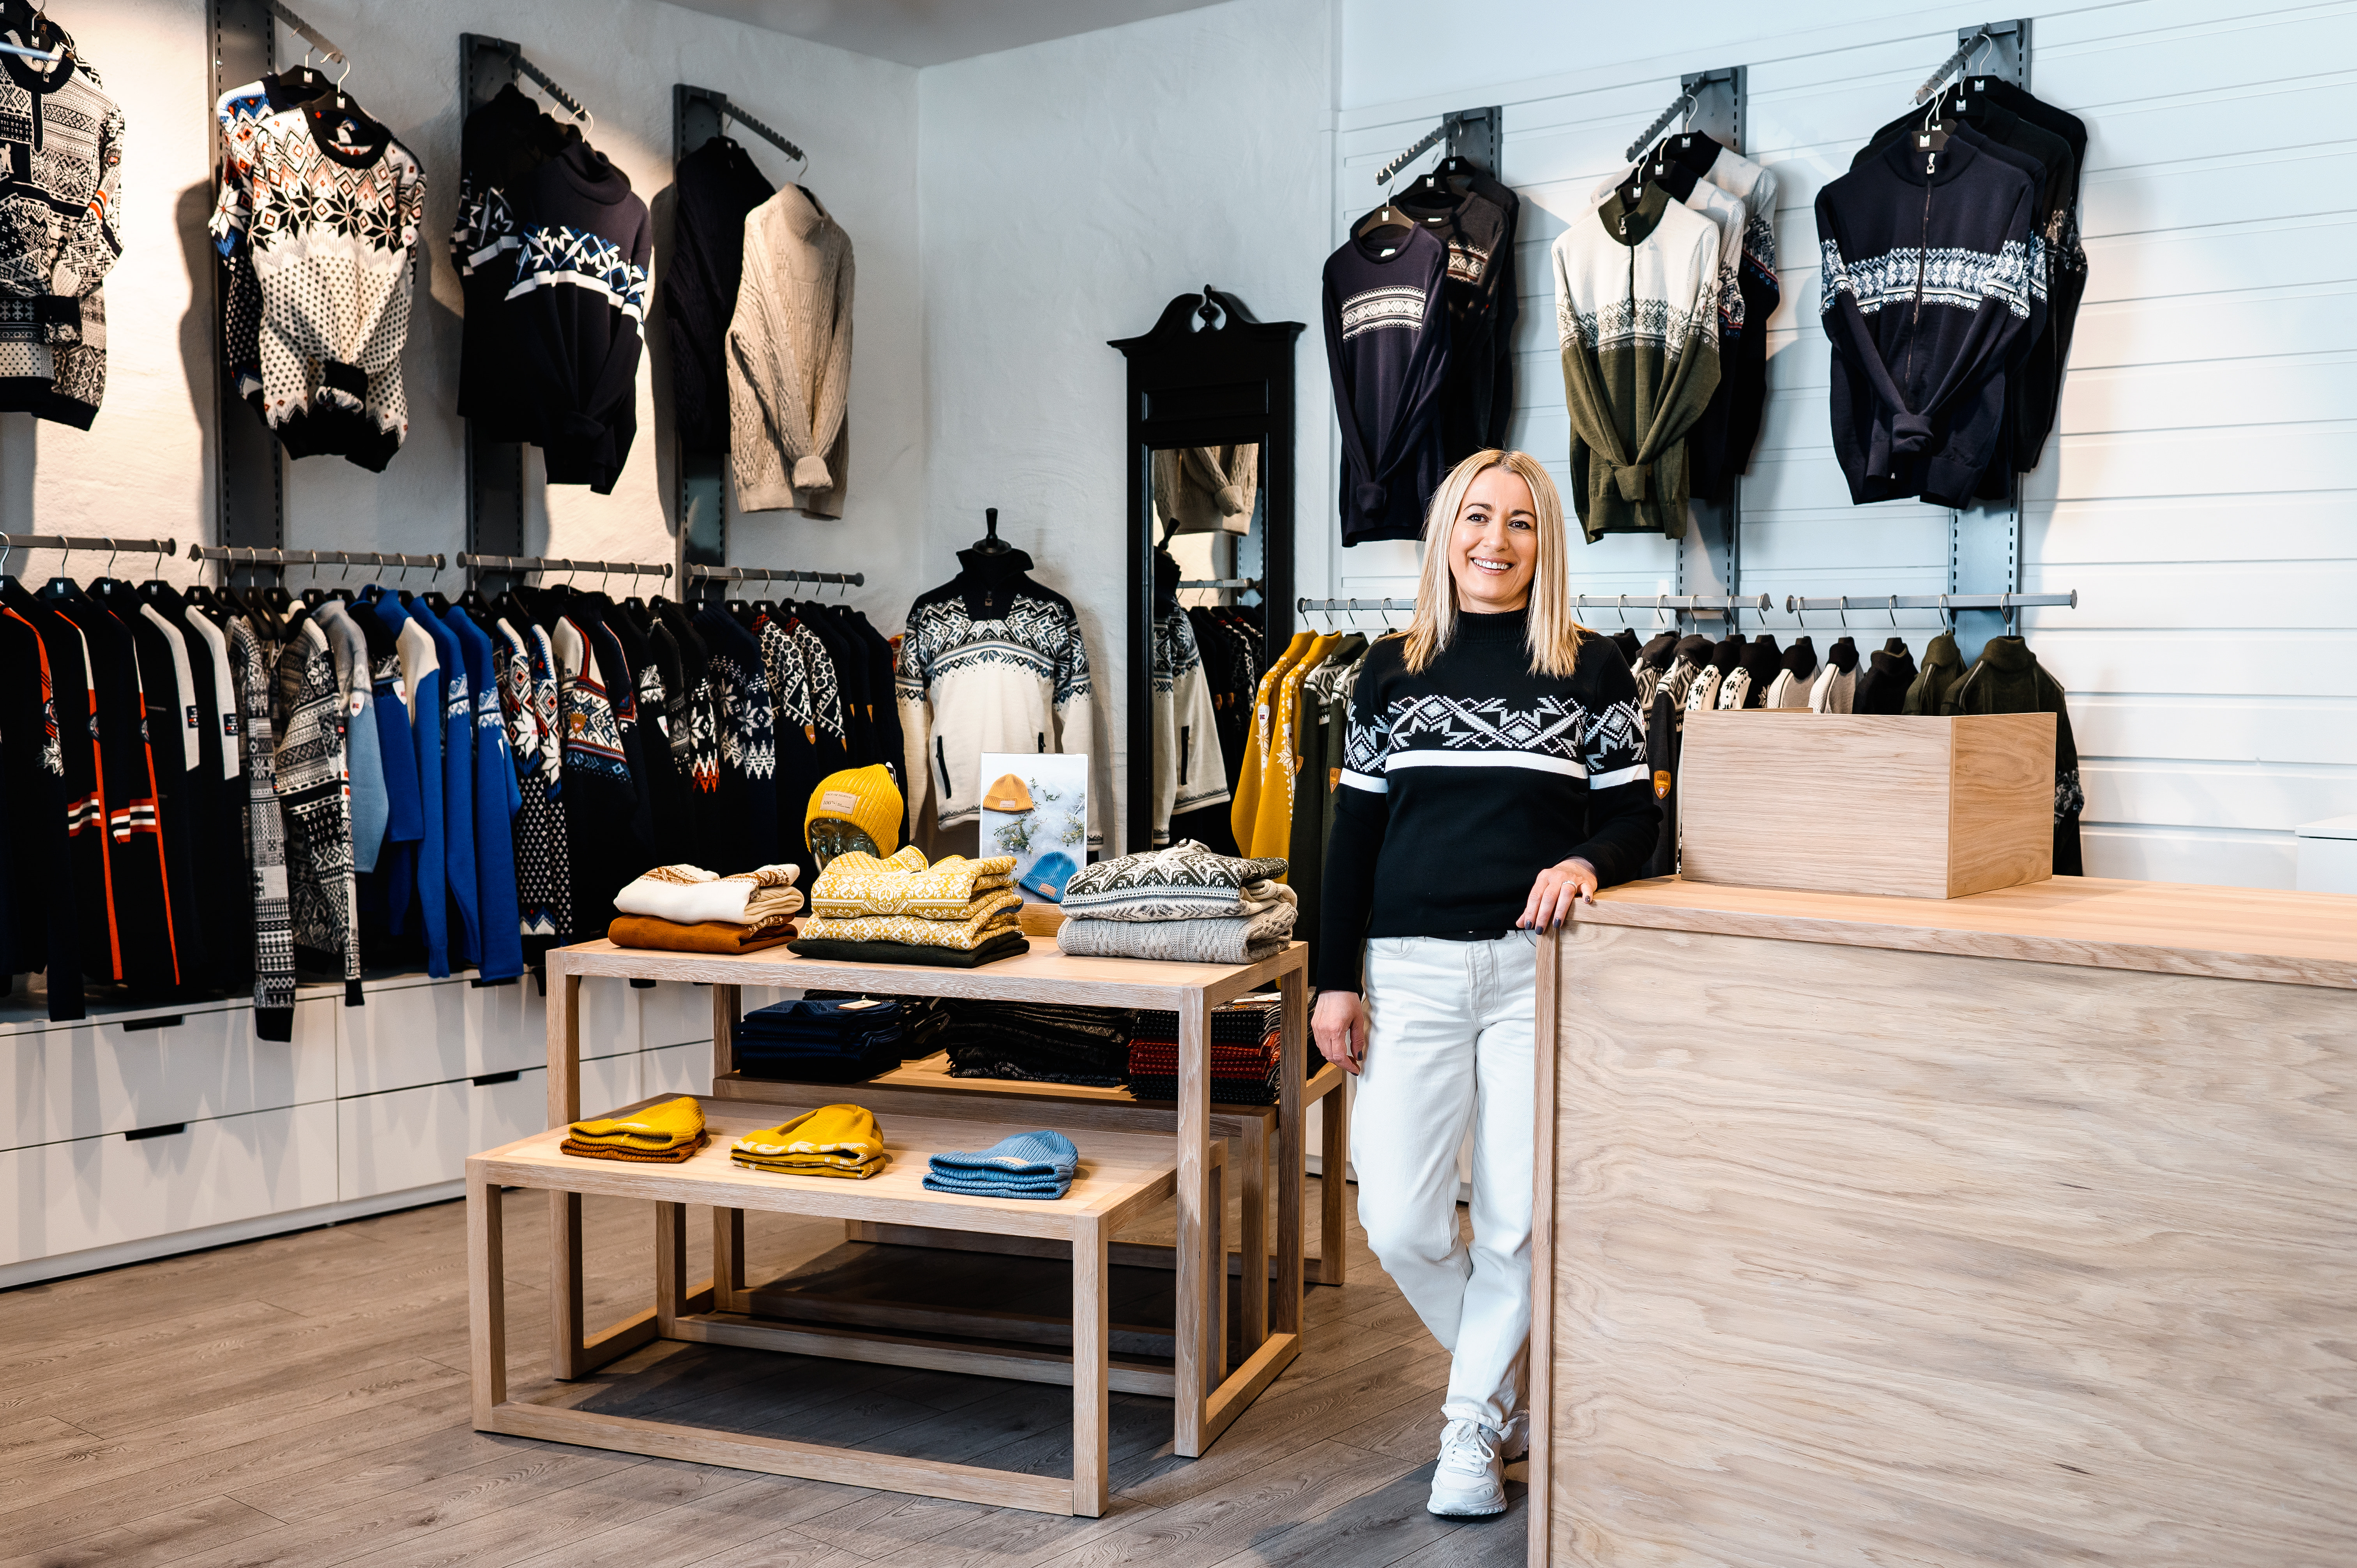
(490, 1078)
(133, 1026)
(642, 985)
(165, 1131)
(489, 984)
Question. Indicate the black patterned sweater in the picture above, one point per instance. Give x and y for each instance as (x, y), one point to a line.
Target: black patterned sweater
(57, 235)
(1459, 785)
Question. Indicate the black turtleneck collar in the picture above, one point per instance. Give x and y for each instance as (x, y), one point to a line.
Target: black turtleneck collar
(1800, 659)
(1843, 655)
(1510, 626)
(1727, 654)
(2008, 655)
(990, 583)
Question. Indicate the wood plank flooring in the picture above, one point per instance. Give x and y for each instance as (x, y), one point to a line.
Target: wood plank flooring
(302, 1403)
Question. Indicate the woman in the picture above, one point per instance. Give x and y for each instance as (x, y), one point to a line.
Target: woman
(1493, 774)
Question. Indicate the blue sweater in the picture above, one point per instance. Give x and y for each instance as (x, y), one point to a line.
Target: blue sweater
(429, 880)
(497, 799)
(457, 783)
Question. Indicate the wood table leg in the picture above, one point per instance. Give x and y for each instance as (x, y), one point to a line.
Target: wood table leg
(1189, 1387)
(1215, 1269)
(728, 1224)
(565, 1325)
(1092, 1400)
(487, 1300)
(1292, 986)
(1255, 1183)
(1334, 1175)
(670, 1266)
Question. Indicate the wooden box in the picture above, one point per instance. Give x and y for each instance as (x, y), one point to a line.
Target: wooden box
(1911, 808)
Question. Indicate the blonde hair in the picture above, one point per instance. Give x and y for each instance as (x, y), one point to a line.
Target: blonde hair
(1555, 636)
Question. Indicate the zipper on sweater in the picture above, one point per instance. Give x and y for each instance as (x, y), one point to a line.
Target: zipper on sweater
(1923, 256)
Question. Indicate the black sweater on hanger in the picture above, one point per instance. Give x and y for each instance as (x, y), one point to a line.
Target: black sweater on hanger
(1477, 224)
(1387, 347)
(717, 186)
(501, 144)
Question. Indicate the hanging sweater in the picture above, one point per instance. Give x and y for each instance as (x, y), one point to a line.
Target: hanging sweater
(1637, 320)
(1188, 773)
(58, 236)
(1836, 683)
(265, 841)
(577, 309)
(789, 360)
(1943, 666)
(1206, 490)
(496, 798)
(1789, 689)
(43, 927)
(1387, 348)
(1761, 289)
(1934, 270)
(992, 661)
(1459, 785)
(1476, 218)
(528, 693)
(502, 143)
(326, 209)
(716, 188)
(2008, 679)
(315, 796)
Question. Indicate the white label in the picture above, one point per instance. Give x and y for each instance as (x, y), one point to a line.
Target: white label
(860, 1005)
(838, 801)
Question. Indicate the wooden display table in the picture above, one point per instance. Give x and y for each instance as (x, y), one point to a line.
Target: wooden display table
(1205, 1403)
(2015, 1228)
(1119, 1176)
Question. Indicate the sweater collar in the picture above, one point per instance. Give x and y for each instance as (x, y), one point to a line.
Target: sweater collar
(2007, 655)
(1642, 220)
(592, 174)
(1901, 159)
(799, 210)
(40, 77)
(1511, 626)
(990, 583)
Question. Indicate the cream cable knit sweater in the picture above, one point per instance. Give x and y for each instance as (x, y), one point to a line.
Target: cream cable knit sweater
(789, 360)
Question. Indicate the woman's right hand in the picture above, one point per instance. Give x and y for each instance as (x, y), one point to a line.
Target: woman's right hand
(1339, 1026)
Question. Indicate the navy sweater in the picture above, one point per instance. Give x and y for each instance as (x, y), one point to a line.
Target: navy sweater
(577, 307)
(1387, 347)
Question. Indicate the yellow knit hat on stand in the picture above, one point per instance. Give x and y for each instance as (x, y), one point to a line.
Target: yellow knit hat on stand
(859, 808)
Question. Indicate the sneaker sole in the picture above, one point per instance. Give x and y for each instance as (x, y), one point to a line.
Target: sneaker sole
(1484, 1509)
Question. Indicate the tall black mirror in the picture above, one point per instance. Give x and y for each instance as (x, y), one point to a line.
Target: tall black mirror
(1211, 556)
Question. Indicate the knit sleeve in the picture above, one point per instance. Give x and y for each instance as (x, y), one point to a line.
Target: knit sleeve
(1624, 819)
(1693, 373)
(1585, 400)
(96, 239)
(1361, 813)
(834, 388)
(911, 683)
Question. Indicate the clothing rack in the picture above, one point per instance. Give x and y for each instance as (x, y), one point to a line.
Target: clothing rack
(1794, 604)
(773, 574)
(516, 60)
(728, 110)
(306, 32)
(473, 562)
(1241, 585)
(1476, 134)
(14, 542)
(2009, 39)
(238, 555)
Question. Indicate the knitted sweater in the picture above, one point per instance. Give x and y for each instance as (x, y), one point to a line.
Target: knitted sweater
(265, 843)
(1636, 318)
(1206, 490)
(1476, 218)
(1460, 784)
(502, 143)
(1943, 666)
(576, 308)
(58, 236)
(314, 795)
(1188, 772)
(1387, 344)
(2008, 679)
(325, 207)
(1184, 882)
(717, 187)
(1933, 271)
(992, 662)
(789, 360)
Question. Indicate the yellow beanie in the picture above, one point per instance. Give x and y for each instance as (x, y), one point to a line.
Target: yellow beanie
(848, 806)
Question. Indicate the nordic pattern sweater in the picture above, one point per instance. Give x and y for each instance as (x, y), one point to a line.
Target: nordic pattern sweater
(1459, 785)
(1387, 348)
(58, 236)
(992, 662)
(577, 309)
(789, 360)
(1932, 270)
(1636, 301)
(1188, 772)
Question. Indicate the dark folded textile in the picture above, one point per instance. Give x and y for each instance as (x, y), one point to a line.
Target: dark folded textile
(1242, 1022)
(1032, 1040)
(1012, 944)
(1224, 1090)
(819, 1041)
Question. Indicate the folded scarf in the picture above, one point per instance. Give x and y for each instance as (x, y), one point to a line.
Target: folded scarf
(858, 884)
(1244, 1022)
(1184, 881)
(690, 895)
(1144, 906)
(1012, 944)
(994, 913)
(679, 1155)
(654, 1128)
(1245, 939)
(703, 936)
(833, 1140)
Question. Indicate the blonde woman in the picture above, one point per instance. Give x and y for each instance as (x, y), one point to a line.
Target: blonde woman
(1493, 774)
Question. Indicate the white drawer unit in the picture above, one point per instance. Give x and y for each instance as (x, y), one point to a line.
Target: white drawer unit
(416, 1031)
(108, 1075)
(670, 1013)
(674, 1070)
(98, 1192)
(409, 1138)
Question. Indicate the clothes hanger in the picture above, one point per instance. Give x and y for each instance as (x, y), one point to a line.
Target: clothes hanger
(1387, 216)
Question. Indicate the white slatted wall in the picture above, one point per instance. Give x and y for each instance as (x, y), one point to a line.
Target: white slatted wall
(2200, 493)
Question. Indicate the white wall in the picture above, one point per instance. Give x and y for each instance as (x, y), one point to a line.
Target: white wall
(146, 466)
(2199, 493)
(1070, 189)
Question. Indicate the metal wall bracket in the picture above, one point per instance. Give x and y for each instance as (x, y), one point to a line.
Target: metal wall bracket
(250, 466)
(494, 468)
(1478, 135)
(703, 476)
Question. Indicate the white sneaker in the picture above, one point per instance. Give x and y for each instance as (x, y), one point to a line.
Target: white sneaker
(1469, 1482)
(1515, 1444)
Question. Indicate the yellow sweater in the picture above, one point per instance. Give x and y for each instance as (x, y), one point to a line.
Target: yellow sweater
(1273, 834)
(1243, 814)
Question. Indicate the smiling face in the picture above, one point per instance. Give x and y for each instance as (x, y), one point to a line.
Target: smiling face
(1495, 547)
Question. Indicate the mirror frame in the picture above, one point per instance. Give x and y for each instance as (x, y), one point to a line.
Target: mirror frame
(1227, 382)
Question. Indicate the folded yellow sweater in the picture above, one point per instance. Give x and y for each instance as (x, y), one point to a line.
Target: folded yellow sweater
(833, 1141)
(996, 913)
(655, 1129)
(857, 884)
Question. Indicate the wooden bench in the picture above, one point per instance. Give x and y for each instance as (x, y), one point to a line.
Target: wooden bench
(1120, 1175)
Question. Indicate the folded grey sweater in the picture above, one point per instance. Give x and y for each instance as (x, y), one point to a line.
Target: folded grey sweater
(1185, 881)
(1245, 939)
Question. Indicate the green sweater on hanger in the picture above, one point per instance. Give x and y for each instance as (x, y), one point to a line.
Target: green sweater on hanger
(2008, 679)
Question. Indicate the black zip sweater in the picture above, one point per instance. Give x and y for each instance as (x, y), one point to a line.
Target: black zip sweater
(1933, 271)
(1461, 784)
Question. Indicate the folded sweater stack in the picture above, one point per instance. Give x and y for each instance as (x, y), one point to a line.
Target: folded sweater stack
(1038, 1164)
(685, 908)
(840, 1141)
(823, 1042)
(957, 912)
(663, 1134)
(1180, 904)
(1032, 1040)
(1247, 1037)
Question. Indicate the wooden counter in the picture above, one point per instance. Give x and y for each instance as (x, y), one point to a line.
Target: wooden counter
(2015, 1229)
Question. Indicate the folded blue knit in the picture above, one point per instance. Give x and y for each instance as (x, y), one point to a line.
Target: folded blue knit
(1037, 1153)
(1040, 1187)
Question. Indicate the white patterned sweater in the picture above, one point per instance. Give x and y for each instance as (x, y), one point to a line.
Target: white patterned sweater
(998, 668)
(57, 235)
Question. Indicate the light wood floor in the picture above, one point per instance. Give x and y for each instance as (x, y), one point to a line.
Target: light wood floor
(302, 1401)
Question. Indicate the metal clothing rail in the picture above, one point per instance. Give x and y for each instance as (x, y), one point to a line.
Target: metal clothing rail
(9, 542)
(1794, 604)
(1243, 584)
(727, 111)
(306, 31)
(774, 575)
(1474, 135)
(237, 555)
(1760, 602)
(475, 563)
(1305, 606)
(1684, 103)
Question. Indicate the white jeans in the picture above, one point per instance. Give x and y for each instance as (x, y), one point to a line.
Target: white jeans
(1450, 1048)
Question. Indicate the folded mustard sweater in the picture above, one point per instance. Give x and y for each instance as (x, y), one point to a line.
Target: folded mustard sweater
(992, 914)
(858, 884)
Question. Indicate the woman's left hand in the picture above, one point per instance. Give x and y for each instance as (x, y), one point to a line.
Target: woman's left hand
(1553, 894)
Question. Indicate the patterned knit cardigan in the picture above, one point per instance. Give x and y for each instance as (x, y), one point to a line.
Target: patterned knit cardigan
(265, 841)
